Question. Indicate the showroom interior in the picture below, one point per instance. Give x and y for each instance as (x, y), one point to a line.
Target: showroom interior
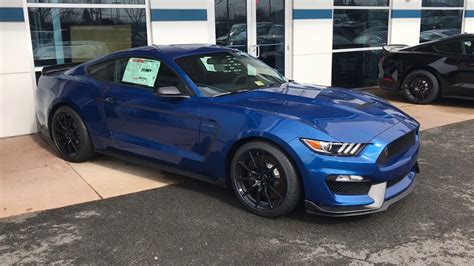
(327, 42)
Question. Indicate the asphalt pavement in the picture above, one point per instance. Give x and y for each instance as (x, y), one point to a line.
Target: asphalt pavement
(197, 223)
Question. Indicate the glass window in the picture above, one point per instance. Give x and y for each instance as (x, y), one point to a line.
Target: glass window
(355, 69)
(436, 24)
(67, 35)
(231, 72)
(443, 3)
(231, 23)
(133, 2)
(356, 28)
(361, 2)
(151, 73)
(104, 71)
(449, 47)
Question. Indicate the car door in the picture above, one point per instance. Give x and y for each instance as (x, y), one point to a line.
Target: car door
(146, 124)
(466, 69)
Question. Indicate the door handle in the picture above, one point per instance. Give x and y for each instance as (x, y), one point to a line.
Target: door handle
(257, 47)
(112, 100)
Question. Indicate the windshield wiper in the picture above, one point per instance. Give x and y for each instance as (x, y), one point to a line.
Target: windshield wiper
(231, 92)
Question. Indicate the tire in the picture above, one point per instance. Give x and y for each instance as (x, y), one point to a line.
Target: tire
(70, 136)
(421, 87)
(264, 179)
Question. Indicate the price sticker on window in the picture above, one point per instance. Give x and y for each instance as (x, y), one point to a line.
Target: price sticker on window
(141, 71)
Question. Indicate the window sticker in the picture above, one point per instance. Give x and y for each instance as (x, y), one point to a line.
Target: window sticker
(259, 83)
(141, 71)
(251, 70)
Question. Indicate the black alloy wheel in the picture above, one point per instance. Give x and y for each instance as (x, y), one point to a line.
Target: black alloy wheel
(70, 135)
(420, 87)
(264, 180)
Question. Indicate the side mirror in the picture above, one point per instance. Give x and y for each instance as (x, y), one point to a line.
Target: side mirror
(170, 91)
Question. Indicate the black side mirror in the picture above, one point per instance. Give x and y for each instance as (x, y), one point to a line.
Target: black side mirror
(170, 91)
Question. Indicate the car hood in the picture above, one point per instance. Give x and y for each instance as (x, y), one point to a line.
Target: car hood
(342, 114)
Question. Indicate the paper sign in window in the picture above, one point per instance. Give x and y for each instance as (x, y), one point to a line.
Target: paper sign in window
(141, 71)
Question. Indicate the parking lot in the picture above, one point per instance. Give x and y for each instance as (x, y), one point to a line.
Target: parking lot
(171, 219)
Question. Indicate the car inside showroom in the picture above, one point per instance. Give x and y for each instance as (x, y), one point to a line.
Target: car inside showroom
(236, 131)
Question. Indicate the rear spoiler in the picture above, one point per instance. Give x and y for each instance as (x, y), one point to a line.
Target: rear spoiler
(57, 68)
(394, 47)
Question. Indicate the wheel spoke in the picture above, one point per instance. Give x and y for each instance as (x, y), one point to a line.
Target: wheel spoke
(244, 178)
(263, 162)
(245, 166)
(275, 191)
(249, 190)
(74, 146)
(268, 198)
(257, 199)
(253, 160)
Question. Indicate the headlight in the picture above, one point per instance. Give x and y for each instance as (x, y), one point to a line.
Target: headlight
(334, 148)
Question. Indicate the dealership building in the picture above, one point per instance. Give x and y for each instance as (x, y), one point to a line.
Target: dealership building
(327, 42)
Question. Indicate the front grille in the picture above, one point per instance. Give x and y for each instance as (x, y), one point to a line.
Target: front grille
(396, 147)
(395, 180)
(349, 188)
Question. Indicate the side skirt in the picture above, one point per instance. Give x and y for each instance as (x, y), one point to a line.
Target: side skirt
(157, 165)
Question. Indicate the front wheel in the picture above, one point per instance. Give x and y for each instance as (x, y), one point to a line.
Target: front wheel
(265, 180)
(420, 86)
(70, 135)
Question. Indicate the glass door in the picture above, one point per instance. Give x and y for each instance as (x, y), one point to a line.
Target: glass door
(254, 26)
(231, 24)
(269, 28)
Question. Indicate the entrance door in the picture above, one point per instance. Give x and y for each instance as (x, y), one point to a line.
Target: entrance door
(256, 27)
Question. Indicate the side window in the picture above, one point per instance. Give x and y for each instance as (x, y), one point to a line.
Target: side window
(111, 71)
(468, 46)
(103, 71)
(449, 47)
(167, 77)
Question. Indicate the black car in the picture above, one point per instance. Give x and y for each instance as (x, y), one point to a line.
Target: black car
(442, 68)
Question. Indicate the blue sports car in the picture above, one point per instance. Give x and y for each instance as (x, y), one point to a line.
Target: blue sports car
(220, 115)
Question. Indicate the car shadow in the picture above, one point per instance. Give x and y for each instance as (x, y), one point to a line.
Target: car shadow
(226, 196)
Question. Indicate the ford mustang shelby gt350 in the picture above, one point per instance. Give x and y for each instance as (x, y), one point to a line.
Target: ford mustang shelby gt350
(220, 115)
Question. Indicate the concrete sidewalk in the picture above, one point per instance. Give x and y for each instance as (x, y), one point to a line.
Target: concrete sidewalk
(33, 178)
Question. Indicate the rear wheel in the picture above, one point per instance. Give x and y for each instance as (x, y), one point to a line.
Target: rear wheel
(70, 135)
(265, 180)
(420, 86)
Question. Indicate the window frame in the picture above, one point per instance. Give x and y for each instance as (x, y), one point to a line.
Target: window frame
(153, 89)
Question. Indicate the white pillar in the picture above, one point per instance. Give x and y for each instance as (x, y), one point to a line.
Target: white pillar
(312, 41)
(17, 108)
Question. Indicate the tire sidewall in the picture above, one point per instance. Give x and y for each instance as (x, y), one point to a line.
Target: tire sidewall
(294, 187)
(85, 148)
(434, 94)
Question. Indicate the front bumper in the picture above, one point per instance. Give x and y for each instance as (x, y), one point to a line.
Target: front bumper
(378, 192)
(387, 182)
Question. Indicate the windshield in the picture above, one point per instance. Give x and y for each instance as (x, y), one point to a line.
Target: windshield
(224, 73)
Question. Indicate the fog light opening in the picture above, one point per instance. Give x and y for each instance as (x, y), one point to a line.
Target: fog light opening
(346, 178)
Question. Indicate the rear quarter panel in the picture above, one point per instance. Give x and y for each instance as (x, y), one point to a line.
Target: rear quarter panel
(78, 92)
(400, 64)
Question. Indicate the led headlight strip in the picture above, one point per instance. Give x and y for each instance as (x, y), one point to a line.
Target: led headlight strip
(334, 148)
